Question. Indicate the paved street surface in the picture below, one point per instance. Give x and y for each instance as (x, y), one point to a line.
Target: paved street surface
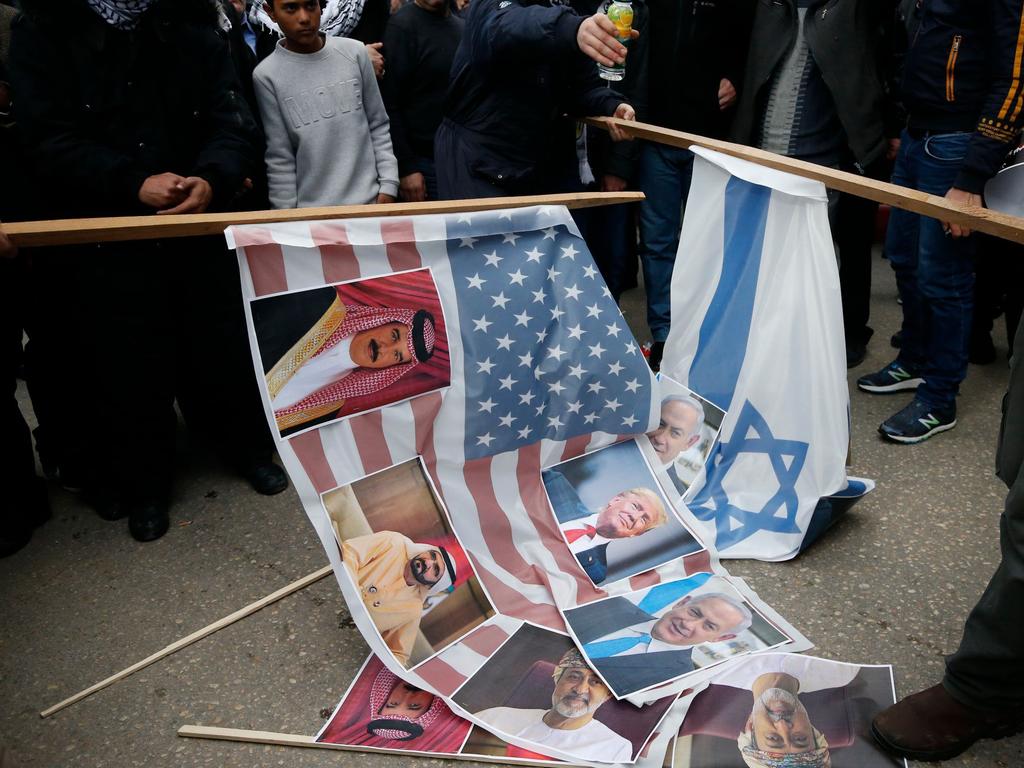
(892, 583)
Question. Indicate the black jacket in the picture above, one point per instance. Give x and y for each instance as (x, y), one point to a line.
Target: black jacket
(100, 109)
(517, 70)
(963, 73)
(850, 41)
(693, 45)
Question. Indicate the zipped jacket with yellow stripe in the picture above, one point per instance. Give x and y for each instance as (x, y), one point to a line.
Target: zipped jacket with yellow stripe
(963, 72)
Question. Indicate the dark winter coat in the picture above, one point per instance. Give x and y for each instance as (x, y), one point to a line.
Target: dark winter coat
(100, 109)
(963, 73)
(848, 40)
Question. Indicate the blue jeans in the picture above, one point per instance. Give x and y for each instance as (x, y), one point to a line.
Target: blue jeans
(934, 272)
(664, 177)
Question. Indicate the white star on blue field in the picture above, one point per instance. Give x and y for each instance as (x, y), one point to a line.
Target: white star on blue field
(547, 352)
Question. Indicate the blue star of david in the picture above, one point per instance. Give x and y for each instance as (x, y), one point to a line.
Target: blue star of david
(712, 502)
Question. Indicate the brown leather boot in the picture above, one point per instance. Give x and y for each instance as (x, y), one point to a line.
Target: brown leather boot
(932, 725)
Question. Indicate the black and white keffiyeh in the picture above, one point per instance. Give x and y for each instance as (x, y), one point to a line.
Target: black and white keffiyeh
(338, 19)
(123, 14)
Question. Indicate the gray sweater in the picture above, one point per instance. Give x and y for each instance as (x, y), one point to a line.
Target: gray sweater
(328, 138)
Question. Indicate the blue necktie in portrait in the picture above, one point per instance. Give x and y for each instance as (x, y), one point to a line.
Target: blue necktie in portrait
(602, 649)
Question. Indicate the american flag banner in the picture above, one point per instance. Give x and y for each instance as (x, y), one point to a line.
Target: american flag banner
(509, 356)
(545, 368)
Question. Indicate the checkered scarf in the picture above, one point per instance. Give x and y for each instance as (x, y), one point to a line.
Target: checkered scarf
(363, 381)
(397, 727)
(338, 19)
(123, 14)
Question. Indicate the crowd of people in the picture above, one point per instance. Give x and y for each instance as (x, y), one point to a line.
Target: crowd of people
(130, 107)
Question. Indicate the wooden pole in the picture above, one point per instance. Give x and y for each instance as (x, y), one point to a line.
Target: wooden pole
(296, 740)
(978, 219)
(119, 228)
(263, 602)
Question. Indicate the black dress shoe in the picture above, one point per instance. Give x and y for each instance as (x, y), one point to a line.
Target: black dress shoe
(932, 725)
(148, 521)
(265, 477)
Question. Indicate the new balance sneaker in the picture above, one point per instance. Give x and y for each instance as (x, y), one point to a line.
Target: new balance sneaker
(893, 378)
(917, 422)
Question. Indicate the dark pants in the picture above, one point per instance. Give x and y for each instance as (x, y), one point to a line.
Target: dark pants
(854, 236)
(155, 321)
(987, 672)
(999, 286)
(17, 464)
(610, 234)
(934, 272)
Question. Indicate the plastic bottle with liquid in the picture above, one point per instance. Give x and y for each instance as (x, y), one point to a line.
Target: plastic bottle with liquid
(620, 13)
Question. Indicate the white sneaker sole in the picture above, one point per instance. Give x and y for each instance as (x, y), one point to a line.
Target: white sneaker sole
(885, 389)
(919, 438)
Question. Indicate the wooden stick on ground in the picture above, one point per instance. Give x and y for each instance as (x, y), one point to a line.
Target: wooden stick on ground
(119, 228)
(979, 219)
(263, 602)
(295, 740)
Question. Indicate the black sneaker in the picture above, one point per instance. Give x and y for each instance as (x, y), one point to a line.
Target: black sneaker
(917, 422)
(893, 378)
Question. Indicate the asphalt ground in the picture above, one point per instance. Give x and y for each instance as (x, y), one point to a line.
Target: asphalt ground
(892, 583)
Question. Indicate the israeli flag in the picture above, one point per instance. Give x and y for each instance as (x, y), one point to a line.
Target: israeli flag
(757, 329)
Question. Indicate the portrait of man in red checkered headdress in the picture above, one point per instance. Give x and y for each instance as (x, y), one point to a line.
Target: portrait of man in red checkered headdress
(371, 335)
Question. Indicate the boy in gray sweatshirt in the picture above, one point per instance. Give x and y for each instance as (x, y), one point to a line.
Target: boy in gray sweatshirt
(328, 138)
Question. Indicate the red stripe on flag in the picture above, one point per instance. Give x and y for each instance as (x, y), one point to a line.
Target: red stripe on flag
(309, 450)
(441, 675)
(513, 603)
(645, 579)
(368, 434)
(337, 256)
(575, 446)
(698, 562)
(507, 600)
(485, 640)
(266, 265)
(495, 526)
(400, 238)
(424, 412)
(535, 500)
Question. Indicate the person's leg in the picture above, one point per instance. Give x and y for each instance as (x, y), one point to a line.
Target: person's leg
(660, 179)
(945, 279)
(988, 293)
(607, 232)
(901, 248)
(854, 235)
(216, 386)
(982, 693)
(128, 338)
(25, 501)
(987, 672)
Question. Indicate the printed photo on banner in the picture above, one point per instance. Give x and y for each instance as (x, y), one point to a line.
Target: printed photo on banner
(686, 433)
(659, 634)
(613, 515)
(538, 689)
(332, 352)
(778, 709)
(382, 711)
(398, 549)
